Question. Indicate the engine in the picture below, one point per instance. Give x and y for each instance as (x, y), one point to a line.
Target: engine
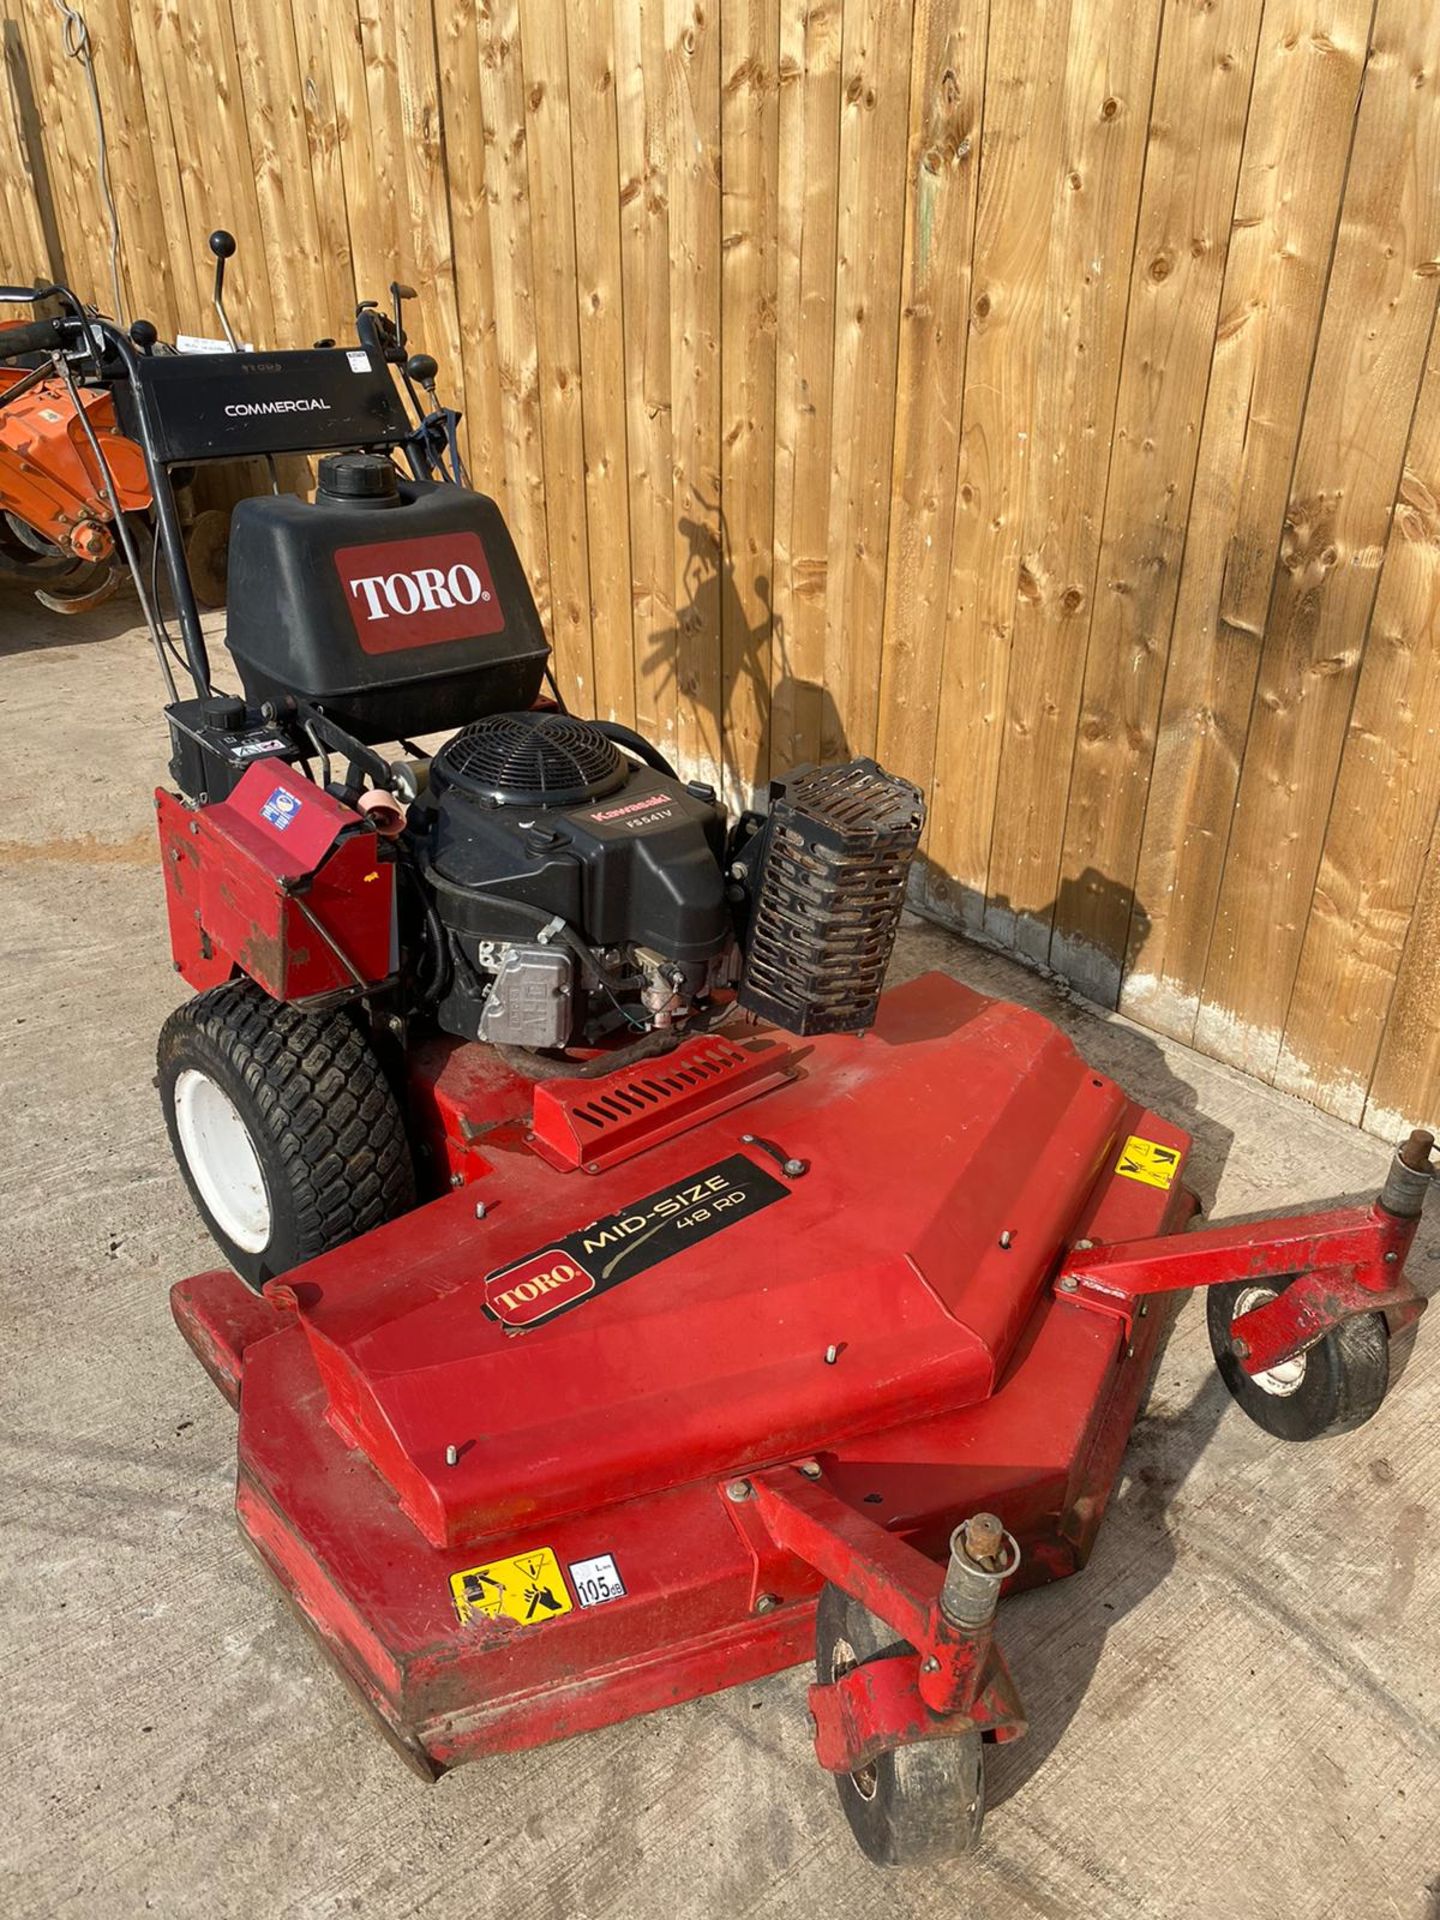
(580, 892)
(560, 886)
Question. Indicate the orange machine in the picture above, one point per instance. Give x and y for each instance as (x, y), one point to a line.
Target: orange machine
(56, 519)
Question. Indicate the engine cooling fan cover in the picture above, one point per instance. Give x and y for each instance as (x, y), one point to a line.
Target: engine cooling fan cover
(530, 760)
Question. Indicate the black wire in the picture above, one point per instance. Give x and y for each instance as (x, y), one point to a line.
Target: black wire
(170, 646)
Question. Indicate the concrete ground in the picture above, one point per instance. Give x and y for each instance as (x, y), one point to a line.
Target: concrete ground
(1234, 1711)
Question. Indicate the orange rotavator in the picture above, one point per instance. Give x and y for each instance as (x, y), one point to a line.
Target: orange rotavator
(626, 1297)
(66, 470)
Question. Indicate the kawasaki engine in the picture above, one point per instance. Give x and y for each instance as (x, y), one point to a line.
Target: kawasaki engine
(580, 892)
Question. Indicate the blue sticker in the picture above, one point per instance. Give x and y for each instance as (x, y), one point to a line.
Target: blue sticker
(280, 809)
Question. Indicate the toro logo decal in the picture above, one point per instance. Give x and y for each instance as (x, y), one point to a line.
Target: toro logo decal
(419, 592)
(537, 1287)
(651, 1229)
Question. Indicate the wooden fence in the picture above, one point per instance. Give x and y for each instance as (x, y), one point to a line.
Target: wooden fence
(1037, 394)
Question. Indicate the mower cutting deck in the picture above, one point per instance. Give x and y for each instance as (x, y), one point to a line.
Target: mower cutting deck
(570, 1445)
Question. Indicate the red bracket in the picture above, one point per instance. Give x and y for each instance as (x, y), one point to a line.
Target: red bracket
(1341, 1263)
(877, 1707)
(955, 1680)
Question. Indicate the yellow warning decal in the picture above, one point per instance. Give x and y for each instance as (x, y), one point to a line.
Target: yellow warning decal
(1147, 1160)
(527, 1589)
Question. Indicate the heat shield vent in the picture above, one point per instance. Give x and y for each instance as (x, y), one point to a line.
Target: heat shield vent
(829, 866)
(532, 760)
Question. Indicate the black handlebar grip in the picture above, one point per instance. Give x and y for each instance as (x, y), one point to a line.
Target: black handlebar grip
(222, 244)
(39, 336)
(422, 367)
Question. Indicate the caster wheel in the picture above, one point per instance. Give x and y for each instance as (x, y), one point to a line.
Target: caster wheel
(1332, 1387)
(920, 1804)
(286, 1130)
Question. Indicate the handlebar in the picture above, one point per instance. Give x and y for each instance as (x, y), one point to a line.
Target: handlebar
(36, 336)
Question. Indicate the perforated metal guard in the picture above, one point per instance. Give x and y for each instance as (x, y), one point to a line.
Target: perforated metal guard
(532, 759)
(833, 857)
(596, 1123)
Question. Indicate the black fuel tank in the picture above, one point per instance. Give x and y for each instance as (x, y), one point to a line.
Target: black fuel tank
(398, 606)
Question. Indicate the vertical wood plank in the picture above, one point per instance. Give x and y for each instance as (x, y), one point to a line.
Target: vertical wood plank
(430, 255)
(201, 69)
(692, 35)
(552, 259)
(507, 197)
(184, 243)
(869, 249)
(1405, 1091)
(1197, 124)
(749, 133)
(458, 60)
(1110, 69)
(1297, 145)
(63, 126)
(378, 238)
(596, 169)
(317, 25)
(642, 116)
(28, 253)
(947, 89)
(1385, 801)
(1021, 154)
(273, 102)
(144, 253)
(811, 34)
(1378, 314)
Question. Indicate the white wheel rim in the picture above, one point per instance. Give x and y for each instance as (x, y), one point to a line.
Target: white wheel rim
(1280, 1381)
(222, 1160)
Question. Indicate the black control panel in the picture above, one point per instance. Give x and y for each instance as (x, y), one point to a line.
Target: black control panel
(232, 406)
(213, 741)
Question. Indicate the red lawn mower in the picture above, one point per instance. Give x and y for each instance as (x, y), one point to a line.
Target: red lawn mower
(625, 1299)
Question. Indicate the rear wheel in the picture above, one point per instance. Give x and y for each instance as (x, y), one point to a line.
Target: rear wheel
(285, 1127)
(917, 1805)
(1330, 1388)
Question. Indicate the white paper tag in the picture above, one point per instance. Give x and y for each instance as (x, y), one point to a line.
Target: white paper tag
(359, 359)
(200, 343)
(596, 1581)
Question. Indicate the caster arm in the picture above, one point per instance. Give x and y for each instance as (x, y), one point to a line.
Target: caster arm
(951, 1679)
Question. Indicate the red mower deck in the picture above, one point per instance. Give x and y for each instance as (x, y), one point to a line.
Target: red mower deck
(565, 1447)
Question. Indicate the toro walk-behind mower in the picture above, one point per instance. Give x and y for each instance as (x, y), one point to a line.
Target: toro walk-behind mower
(627, 1298)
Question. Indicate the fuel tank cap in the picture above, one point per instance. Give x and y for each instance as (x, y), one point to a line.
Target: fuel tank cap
(357, 476)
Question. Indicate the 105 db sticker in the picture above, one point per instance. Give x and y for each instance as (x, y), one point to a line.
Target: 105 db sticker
(651, 1229)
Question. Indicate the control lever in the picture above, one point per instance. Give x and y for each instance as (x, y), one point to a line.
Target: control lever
(399, 294)
(222, 245)
(422, 369)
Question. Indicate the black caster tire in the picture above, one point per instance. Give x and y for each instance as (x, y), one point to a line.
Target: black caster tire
(288, 1134)
(920, 1805)
(1333, 1387)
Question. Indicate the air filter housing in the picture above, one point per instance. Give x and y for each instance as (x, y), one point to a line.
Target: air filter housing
(531, 760)
(828, 869)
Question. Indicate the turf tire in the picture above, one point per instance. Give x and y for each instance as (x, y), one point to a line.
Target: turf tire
(322, 1120)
